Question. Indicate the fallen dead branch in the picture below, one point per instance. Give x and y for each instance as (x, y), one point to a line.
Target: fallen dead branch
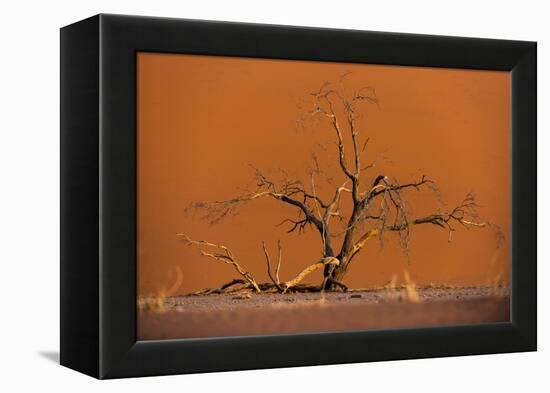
(226, 257)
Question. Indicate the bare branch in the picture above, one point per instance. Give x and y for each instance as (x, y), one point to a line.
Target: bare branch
(324, 96)
(465, 214)
(361, 242)
(226, 257)
(300, 224)
(365, 144)
(380, 188)
(275, 280)
(279, 258)
(311, 268)
(286, 192)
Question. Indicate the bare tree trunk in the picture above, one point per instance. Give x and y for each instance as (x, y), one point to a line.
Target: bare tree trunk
(339, 273)
(334, 274)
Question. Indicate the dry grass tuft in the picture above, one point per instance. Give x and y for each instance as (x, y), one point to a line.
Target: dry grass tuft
(499, 286)
(156, 304)
(410, 288)
(392, 290)
(159, 303)
(406, 292)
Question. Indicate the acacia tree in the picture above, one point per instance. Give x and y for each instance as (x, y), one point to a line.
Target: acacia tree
(375, 206)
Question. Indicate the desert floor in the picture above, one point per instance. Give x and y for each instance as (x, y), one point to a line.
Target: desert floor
(268, 314)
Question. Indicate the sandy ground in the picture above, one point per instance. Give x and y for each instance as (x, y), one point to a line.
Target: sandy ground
(266, 314)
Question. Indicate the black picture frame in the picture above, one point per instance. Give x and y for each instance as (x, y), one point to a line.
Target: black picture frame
(98, 195)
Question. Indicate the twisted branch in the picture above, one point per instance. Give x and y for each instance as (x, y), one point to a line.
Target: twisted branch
(310, 269)
(226, 257)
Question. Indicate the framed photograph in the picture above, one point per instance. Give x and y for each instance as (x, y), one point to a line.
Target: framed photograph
(239, 196)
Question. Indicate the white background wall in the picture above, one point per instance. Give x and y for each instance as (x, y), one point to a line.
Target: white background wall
(29, 194)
